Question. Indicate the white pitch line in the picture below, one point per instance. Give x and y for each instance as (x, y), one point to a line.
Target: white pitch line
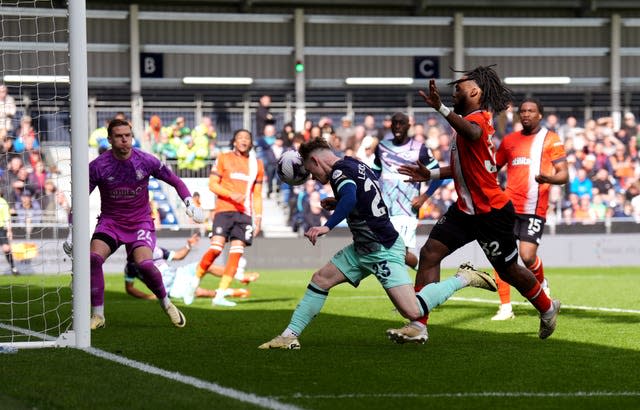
(265, 402)
(497, 302)
(575, 307)
(464, 395)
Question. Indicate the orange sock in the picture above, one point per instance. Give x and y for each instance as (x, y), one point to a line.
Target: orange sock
(235, 253)
(538, 298)
(504, 289)
(207, 259)
(537, 269)
(423, 319)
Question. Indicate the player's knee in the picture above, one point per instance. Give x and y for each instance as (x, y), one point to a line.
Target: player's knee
(322, 279)
(429, 256)
(410, 259)
(528, 257)
(509, 272)
(146, 265)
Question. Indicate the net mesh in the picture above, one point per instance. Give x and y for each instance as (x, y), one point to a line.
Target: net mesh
(35, 285)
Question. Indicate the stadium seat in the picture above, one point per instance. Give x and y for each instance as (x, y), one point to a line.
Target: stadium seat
(169, 219)
(165, 210)
(154, 185)
(159, 196)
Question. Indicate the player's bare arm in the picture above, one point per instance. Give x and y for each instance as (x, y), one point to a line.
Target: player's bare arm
(464, 128)
(257, 208)
(257, 224)
(560, 177)
(184, 251)
(420, 173)
(131, 290)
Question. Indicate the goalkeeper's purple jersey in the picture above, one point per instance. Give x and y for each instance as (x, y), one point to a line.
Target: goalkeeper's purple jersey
(123, 185)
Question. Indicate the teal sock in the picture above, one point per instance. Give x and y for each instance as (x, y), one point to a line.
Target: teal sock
(308, 308)
(435, 294)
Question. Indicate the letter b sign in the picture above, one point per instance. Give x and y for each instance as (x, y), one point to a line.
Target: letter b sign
(150, 65)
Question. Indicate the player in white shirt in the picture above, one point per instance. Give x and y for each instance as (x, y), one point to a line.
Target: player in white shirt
(180, 281)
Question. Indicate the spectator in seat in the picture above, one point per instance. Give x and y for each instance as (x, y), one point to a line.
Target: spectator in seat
(28, 210)
(346, 130)
(581, 185)
(603, 183)
(264, 116)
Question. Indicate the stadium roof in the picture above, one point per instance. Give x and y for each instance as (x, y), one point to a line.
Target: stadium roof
(408, 7)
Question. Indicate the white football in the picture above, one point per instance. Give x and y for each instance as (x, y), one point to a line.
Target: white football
(290, 168)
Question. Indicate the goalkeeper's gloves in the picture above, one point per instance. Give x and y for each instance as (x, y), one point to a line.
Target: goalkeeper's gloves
(197, 214)
(67, 247)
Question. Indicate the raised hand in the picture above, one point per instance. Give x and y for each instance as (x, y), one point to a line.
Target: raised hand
(433, 98)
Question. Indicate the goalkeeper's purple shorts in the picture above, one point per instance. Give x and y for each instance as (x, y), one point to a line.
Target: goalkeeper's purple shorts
(133, 235)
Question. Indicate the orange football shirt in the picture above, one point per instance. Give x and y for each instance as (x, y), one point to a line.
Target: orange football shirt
(232, 174)
(475, 173)
(525, 157)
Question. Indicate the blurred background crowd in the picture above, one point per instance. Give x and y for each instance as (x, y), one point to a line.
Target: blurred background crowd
(603, 161)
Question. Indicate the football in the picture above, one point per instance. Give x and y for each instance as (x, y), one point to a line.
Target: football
(290, 168)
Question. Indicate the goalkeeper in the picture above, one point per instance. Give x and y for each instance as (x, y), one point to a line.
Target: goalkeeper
(122, 176)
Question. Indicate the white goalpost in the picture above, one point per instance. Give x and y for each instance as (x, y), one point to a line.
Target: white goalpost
(44, 296)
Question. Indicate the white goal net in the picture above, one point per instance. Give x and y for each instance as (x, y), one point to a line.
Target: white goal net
(36, 281)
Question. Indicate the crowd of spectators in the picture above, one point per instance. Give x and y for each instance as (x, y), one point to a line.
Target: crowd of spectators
(27, 180)
(190, 149)
(603, 163)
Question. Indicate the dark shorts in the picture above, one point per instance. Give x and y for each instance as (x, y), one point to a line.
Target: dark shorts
(233, 225)
(4, 239)
(493, 231)
(132, 236)
(529, 228)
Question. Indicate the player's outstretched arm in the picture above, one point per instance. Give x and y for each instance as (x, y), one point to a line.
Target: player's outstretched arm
(132, 291)
(182, 253)
(420, 173)
(464, 128)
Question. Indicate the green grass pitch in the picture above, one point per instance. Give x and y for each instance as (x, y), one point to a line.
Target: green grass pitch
(346, 362)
